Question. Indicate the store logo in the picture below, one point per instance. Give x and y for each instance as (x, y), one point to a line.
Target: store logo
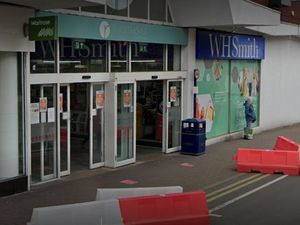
(104, 29)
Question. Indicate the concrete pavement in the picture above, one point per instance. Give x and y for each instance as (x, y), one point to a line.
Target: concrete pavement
(202, 172)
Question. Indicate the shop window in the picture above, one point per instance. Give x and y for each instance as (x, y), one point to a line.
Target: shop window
(147, 57)
(82, 55)
(43, 59)
(117, 7)
(170, 20)
(174, 57)
(99, 8)
(139, 9)
(158, 10)
(119, 56)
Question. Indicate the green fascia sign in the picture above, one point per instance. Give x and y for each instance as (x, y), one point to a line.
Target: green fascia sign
(84, 27)
(43, 28)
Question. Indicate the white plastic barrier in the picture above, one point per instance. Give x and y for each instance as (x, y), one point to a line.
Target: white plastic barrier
(88, 213)
(116, 193)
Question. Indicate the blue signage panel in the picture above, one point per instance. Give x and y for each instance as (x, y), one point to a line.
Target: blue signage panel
(216, 45)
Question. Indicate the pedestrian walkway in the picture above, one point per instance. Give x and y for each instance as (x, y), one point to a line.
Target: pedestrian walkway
(190, 172)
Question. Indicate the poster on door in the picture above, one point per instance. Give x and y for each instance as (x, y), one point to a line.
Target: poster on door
(99, 99)
(173, 94)
(43, 104)
(35, 113)
(127, 98)
(61, 102)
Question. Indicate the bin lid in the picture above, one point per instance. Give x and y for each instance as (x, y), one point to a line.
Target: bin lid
(193, 120)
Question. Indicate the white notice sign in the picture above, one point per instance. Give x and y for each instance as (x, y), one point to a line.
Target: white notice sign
(35, 113)
(51, 115)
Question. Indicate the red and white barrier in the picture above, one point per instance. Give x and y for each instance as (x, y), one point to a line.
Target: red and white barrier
(283, 143)
(180, 208)
(116, 193)
(268, 161)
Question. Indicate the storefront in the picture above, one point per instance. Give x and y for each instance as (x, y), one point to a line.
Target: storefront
(83, 87)
(14, 48)
(229, 71)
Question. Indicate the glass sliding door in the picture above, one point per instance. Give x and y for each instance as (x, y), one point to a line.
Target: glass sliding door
(43, 133)
(64, 114)
(173, 116)
(97, 125)
(125, 124)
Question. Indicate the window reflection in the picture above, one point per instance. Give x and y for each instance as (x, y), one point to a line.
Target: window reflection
(43, 59)
(119, 56)
(147, 57)
(82, 55)
(117, 7)
(139, 9)
(174, 58)
(158, 10)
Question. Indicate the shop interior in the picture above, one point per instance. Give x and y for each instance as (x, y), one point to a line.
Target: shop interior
(80, 135)
(149, 117)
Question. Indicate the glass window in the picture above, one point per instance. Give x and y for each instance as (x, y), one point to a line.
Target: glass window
(43, 59)
(174, 57)
(170, 20)
(117, 7)
(11, 116)
(139, 9)
(100, 8)
(119, 56)
(125, 122)
(82, 55)
(158, 10)
(147, 57)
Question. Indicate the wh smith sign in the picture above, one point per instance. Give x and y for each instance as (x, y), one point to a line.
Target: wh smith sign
(215, 45)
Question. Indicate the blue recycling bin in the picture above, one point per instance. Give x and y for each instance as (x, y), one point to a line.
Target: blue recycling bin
(193, 136)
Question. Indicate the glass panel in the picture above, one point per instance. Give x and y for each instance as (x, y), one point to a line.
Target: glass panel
(125, 118)
(170, 20)
(117, 7)
(139, 9)
(95, 8)
(82, 55)
(174, 114)
(43, 132)
(98, 105)
(174, 58)
(64, 116)
(213, 96)
(146, 57)
(119, 56)
(43, 59)
(158, 10)
(245, 82)
(11, 116)
(49, 131)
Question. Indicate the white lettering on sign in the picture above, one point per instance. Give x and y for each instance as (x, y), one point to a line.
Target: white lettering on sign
(40, 22)
(229, 46)
(45, 32)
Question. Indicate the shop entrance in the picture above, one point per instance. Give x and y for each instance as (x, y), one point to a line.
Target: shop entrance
(149, 117)
(86, 126)
(67, 129)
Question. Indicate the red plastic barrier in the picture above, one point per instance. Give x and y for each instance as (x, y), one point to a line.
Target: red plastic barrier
(283, 143)
(176, 209)
(268, 161)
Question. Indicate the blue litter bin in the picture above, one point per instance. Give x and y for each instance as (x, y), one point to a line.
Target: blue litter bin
(193, 136)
